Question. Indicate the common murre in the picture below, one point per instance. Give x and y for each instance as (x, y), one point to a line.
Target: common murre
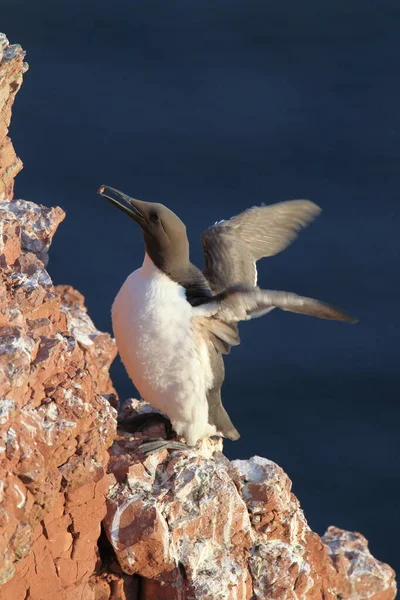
(173, 323)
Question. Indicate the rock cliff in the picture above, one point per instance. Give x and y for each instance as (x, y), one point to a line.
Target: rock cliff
(176, 525)
(56, 422)
(12, 69)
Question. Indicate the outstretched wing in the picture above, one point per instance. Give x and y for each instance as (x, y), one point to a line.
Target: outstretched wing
(241, 303)
(232, 248)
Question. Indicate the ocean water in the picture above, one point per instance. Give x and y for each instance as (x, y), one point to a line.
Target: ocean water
(211, 108)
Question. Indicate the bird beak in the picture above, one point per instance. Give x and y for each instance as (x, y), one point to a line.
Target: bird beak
(130, 206)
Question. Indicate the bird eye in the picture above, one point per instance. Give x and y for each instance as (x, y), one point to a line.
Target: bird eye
(154, 217)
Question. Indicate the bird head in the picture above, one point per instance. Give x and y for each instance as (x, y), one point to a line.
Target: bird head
(163, 232)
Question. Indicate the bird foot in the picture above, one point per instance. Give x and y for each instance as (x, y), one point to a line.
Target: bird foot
(144, 420)
(153, 446)
(206, 448)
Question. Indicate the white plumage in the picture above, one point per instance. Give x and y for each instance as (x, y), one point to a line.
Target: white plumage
(162, 350)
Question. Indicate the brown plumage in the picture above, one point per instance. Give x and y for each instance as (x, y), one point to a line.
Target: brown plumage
(232, 248)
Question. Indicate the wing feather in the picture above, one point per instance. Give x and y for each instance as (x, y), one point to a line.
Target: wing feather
(241, 303)
(232, 248)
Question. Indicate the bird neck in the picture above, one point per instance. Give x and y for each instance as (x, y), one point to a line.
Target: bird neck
(174, 262)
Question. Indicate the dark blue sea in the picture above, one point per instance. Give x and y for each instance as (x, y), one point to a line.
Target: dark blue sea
(212, 107)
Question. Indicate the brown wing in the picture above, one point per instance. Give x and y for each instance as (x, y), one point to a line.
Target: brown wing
(241, 303)
(232, 248)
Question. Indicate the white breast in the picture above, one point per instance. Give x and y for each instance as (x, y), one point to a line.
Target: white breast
(162, 352)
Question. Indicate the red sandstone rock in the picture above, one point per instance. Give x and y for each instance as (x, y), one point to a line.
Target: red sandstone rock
(12, 68)
(195, 526)
(362, 575)
(56, 423)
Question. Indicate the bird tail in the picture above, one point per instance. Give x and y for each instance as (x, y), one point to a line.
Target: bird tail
(225, 426)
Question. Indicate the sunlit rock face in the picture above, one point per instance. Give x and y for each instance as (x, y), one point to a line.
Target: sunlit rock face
(55, 419)
(12, 68)
(192, 524)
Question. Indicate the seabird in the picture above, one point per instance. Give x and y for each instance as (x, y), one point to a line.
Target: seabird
(173, 322)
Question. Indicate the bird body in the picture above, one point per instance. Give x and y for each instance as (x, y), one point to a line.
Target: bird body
(173, 323)
(163, 352)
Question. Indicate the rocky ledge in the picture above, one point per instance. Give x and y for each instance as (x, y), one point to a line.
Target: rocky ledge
(196, 526)
(176, 525)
